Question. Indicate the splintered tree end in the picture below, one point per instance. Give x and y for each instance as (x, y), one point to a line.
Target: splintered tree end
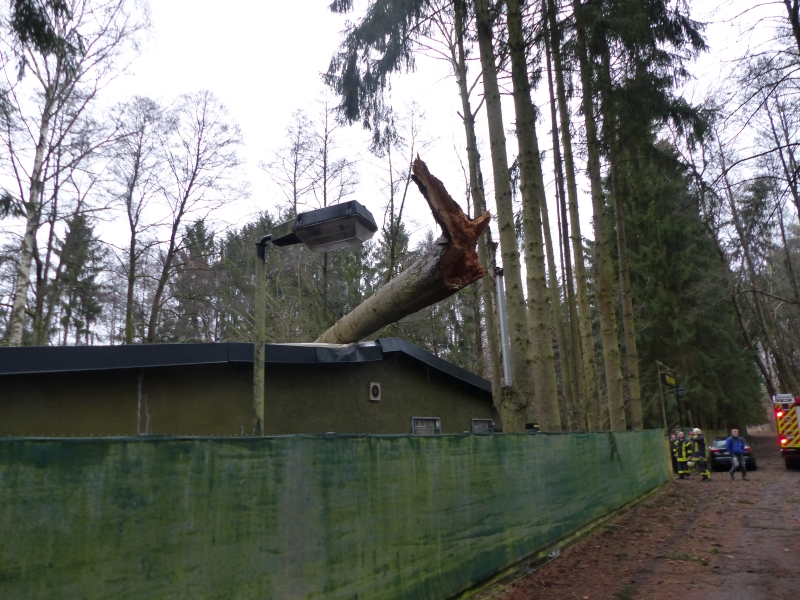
(459, 263)
(437, 274)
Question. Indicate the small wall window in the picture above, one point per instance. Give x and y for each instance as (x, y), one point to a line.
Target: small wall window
(482, 426)
(426, 425)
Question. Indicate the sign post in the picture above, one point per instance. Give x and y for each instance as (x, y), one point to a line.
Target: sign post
(669, 380)
(661, 393)
(666, 377)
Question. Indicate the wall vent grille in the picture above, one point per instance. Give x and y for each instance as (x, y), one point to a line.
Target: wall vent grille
(482, 426)
(426, 425)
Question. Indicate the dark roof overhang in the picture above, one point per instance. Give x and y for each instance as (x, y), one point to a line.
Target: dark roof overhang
(63, 359)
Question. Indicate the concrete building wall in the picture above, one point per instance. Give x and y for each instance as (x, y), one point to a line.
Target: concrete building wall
(216, 399)
(68, 404)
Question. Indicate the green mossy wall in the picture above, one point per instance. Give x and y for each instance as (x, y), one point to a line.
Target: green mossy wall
(302, 516)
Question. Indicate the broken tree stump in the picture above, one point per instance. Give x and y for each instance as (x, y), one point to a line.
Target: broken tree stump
(452, 264)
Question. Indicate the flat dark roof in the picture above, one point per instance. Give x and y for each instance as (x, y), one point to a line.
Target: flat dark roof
(60, 359)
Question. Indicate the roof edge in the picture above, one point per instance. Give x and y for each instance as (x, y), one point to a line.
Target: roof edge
(390, 345)
(29, 360)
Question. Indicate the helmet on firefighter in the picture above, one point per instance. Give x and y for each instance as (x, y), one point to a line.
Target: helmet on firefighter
(696, 431)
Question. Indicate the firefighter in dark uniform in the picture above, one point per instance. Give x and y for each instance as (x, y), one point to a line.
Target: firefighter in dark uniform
(700, 453)
(673, 451)
(683, 451)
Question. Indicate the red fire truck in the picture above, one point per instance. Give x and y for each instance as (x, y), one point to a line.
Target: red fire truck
(787, 415)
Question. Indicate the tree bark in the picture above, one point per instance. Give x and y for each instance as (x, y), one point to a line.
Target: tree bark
(479, 207)
(604, 266)
(576, 408)
(450, 266)
(46, 290)
(260, 335)
(519, 394)
(133, 224)
(628, 323)
(570, 410)
(631, 376)
(131, 284)
(533, 200)
(16, 322)
(585, 341)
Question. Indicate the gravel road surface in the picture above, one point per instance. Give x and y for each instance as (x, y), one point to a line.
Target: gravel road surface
(693, 540)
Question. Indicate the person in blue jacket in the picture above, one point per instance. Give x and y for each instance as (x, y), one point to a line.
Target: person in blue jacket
(735, 447)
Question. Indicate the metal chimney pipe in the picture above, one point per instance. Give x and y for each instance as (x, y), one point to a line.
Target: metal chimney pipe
(502, 316)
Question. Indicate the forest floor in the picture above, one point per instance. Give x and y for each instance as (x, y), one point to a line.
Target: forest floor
(692, 540)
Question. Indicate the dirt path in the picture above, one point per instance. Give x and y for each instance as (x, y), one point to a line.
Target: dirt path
(731, 540)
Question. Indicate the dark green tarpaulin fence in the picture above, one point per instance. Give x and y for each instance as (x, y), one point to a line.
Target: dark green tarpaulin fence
(301, 517)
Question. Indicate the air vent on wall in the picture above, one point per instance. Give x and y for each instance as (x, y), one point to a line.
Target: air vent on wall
(482, 426)
(426, 425)
(374, 391)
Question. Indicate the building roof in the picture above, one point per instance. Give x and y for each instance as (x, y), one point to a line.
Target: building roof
(61, 359)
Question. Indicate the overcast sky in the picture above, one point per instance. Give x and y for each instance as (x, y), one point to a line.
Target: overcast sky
(264, 60)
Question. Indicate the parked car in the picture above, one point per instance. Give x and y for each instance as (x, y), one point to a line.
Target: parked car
(720, 460)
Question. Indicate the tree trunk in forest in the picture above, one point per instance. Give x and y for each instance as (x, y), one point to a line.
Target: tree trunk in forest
(571, 411)
(793, 8)
(631, 375)
(763, 366)
(161, 286)
(392, 229)
(533, 199)
(791, 170)
(40, 290)
(578, 421)
(628, 324)
(520, 393)
(786, 371)
(750, 345)
(787, 257)
(450, 266)
(41, 332)
(479, 207)
(475, 304)
(325, 285)
(585, 341)
(785, 148)
(131, 284)
(604, 266)
(16, 321)
(46, 290)
(133, 227)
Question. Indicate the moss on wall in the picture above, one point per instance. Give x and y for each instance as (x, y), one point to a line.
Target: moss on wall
(334, 397)
(301, 517)
(62, 404)
(217, 399)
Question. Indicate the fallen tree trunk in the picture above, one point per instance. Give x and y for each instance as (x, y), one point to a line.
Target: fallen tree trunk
(452, 264)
